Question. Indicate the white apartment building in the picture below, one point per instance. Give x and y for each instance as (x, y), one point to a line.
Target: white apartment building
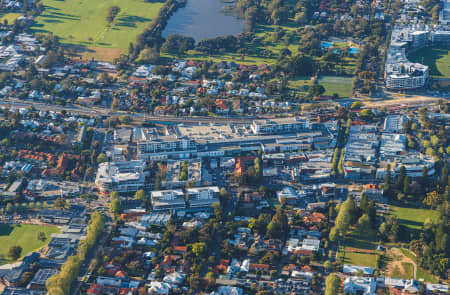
(202, 197)
(121, 177)
(161, 148)
(279, 125)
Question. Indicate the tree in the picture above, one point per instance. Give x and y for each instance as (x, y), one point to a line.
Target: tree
(356, 105)
(278, 227)
(115, 206)
(60, 203)
(401, 176)
(102, 158)
(199, 249)
(113, 11)
(41, 236)
(9, 208)
(363, 224)
(14, 252)
(89, 172)
(406, 184)
(444, 175)
(316, 90)
(149, 55)
(433, 199)
(343, 218)
(332, 284)
(140, 195)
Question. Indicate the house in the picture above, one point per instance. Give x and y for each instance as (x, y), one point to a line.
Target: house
(159, 288)
(175, 278)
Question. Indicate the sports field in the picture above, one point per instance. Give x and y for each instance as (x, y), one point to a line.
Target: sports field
(23, 235)
(333, 84)
(437, 58)
(84, 22)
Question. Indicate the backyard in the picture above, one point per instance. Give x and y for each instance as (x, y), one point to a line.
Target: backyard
(84, 23)
(23, 235)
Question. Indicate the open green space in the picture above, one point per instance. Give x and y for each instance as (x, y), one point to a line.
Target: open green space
(412, 218)
(358, 258)
(23, 235)
(407, 272)
(340, 85)
(367, 256)
(84, 22)
(332, 84)
(437, 58)
(420, 273)
(10, 17)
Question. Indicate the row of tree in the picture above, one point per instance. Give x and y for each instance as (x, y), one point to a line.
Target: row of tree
(60, 284)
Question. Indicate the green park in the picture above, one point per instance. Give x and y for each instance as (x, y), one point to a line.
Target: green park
(25, 236)
(437, 58)
(85, 23)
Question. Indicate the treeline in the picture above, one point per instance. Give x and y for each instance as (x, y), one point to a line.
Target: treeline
(433, 248)
(151, 37)
(228, 43)
(60, 284)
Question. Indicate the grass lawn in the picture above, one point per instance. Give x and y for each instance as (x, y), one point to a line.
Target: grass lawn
(339, 85)
(421, 273)
(412, 218)
(360, 259)
(332, 84)
(367, 243)
(23, 235)
(83, 22)
(10, 17)
(437, 58)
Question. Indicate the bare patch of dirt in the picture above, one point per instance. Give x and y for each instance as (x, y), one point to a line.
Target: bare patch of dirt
(396, 265)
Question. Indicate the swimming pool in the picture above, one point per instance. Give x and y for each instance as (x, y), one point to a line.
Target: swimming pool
(326, 44)
(353, 50)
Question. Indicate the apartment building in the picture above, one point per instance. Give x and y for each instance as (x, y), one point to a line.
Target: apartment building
(279, 125)
(122, 177)
(202, 197)
(168, 200)
(162, 147)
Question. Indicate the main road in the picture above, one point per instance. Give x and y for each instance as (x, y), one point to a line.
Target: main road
(102, 112)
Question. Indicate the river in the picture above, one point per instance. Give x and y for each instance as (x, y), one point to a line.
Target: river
(202, 19)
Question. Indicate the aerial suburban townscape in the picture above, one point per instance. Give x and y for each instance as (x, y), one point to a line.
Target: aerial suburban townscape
(221, 147)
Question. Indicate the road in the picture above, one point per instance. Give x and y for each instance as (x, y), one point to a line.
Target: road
(138, 117)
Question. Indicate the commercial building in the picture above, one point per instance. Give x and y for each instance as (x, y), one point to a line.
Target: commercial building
(122, 177)
(168, 200)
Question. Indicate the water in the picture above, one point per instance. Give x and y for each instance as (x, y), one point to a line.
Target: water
(326, 44)
(202, 19)
(353, 50)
